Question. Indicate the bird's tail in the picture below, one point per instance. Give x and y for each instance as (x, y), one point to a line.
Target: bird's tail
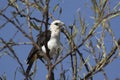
(30, 62)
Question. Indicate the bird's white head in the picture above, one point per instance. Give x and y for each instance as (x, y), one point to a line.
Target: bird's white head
(56, 25)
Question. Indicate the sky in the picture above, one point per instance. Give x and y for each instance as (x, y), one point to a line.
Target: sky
(70, 10)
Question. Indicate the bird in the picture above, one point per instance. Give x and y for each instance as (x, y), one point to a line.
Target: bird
(53, 44)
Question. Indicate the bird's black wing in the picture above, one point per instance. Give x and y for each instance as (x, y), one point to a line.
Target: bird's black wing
(35, 53)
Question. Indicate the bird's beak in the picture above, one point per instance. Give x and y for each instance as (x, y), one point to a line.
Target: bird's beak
(61, 24)
(63, 28)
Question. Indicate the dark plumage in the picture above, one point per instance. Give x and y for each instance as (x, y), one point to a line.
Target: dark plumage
(35, 53)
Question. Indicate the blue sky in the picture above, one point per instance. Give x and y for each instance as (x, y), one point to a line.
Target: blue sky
(69, 12)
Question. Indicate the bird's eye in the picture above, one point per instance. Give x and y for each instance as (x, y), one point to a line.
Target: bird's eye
(57, 24)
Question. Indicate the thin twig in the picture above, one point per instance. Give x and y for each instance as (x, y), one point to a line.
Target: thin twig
(14, 54)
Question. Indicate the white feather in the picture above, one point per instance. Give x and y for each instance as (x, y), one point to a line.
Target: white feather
(54, 44)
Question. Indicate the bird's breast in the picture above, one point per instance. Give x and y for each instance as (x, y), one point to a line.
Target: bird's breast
(52, 44)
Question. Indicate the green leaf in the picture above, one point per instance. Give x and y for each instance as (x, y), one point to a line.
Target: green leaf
(3, 77)
(116, 6)
(38, 6)
(82, 24)
(33, 24)
(75, 31)
(55, 7)
(13, 3)
(60, 10)
(87, 61)
(95, 6)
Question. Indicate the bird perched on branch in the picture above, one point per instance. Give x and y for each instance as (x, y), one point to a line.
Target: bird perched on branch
(50, 37)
